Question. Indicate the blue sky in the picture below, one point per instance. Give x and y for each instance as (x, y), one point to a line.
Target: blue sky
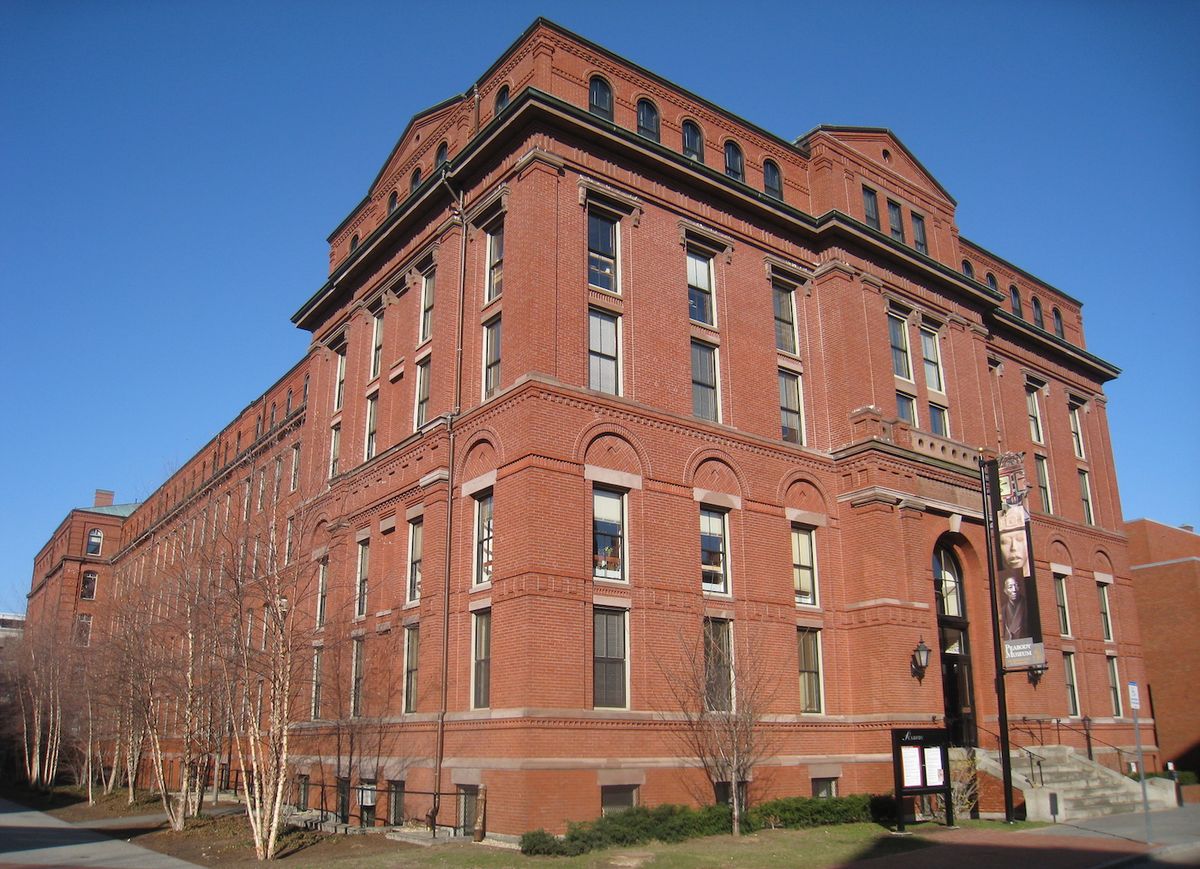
(169, 173)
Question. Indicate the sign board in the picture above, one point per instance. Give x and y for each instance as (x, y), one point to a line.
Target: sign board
(1135, 699)
(920, 765)
(1016, 587)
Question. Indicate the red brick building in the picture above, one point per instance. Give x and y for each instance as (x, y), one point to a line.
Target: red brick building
(603, 378)
(1165, 563)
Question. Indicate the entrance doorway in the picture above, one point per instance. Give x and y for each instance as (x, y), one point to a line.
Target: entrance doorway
(953, 645)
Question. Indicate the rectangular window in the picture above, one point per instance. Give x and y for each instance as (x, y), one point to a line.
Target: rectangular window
(356, 678)
(1073, 410)
(416, 533)
(372, 416)
(602, 251)
(1034, 411)
(939, 420)
(617, 798)
(932, 358)
(367, 796)
(808, 643)
(421, 412)
(896, 221)
(481, 698)
(604, 373)
(824, 788)
(700, 286)
(871, 207)
(1114, 686)
(1085, 498)
(791, 407)
(898, 337)
(491, 358)
(919, 234)
(396, 803)
(483, 538)
(245, 500)
(1069, 676)
(1106, 630)
(376, 343)
(427, 292)
(339, 386)
(287, 541)
(495, 259)
(360, 588)
(804, 565)
(1042, 470)
(714, 568)
(315, 705)
(262, 490)
(322, 591)
(412, 650)
(906, 408)
(785, 316)
(335, 448)
(705, 401)
(83, 629)
(608, 537)
(718, 665)
(295, 466)
(1060, 598)
(608, 658)
(302, 793)
(87, 587)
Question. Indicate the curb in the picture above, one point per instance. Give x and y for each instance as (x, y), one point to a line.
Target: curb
(1163, 851)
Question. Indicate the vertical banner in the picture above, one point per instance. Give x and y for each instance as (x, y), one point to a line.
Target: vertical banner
(1020, 625)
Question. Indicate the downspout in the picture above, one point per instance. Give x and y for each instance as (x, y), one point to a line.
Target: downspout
(440, 750)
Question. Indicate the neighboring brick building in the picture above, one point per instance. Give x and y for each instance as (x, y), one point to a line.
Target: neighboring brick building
(1165, 564)
(601, 369)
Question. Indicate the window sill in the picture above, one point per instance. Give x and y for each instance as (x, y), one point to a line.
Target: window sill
(412, 604)
(481, 586)
(717, 592)
(611, 580)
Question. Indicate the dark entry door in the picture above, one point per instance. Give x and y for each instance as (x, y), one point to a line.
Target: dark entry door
(960, 700)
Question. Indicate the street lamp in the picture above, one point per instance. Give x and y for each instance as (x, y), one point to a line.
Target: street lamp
(920, 659)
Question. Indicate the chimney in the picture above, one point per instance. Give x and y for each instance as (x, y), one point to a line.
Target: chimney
(1190, 529)
(104, 498)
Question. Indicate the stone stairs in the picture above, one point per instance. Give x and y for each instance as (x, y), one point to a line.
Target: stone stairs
(1059, 784)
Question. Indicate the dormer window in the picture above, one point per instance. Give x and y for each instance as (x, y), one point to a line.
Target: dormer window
(735, 165)
(991, 282)
(1014, 301)
(1056, 316)
(354, 242)
(968, 269)
(443, 154)
(393, 201)
(693, 141)
(95, 541)
(772, 180)
(501, 99)
(600, 102)
(1038, 319)
(647, 120)
(416, 179)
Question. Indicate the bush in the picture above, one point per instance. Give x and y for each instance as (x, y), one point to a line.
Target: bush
(1186, 776)
(796, 812)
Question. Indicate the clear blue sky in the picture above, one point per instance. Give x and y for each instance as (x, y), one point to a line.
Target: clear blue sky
(169, 173)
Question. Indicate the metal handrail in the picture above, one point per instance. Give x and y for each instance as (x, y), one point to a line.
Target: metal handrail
(1035, 759)
(1089, 739)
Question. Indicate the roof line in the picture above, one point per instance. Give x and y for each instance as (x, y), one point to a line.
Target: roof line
(1021, 271)
(846, 128)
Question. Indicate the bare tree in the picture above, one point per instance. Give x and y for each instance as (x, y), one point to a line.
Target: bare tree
(720, 692)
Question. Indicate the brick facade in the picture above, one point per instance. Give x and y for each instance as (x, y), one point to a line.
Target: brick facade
(413, 273)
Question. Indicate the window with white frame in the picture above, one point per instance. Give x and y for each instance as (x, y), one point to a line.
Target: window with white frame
(376, 342)
(608, 534)
(906, 408)
(896, 220)
(495, 260)
(335, 448)
(700, 285)
(95, 541)
(87, 586)
(714, 564)
(1041, 470)
(262, 489)
(357, 665)
(287, 540)
(372, 423)
(1060, 600)
(804, 565)
(1072, 691)
(919, 241)
(608, 658)
(1033, 409)
(421, 398)
(360, 586)
(602, 250)
(483, 537)
(870, 207)
(718, 665)
(322, 591)
(314, 709)
(939, 420)
(295, 466)
(416, 534)
(617, 798)
(898, 338)
(482, 660)
(428, 284)
(808, 645)
(1074, 409)
(1114, 685)
(83, 629)
(785, 316)
(491, 358)
(1085, 498)
(1106, 629)
(412, 650)
(604, 336)
(932, 358)
(705, 399)
(339, 384)
(791, 407)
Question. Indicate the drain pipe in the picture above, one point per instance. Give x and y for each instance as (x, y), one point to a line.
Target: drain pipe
(440, 749)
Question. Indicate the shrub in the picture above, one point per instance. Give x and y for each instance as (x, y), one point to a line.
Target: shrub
(1186, 776)
(795, 812)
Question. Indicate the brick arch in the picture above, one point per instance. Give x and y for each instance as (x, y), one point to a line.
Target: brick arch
(801, 492)
(610, 433)
(1058, 551)
(1102, 562)
(483, 453)
(970, 559)
(715, 469)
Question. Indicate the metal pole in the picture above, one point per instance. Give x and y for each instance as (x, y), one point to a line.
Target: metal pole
(1137, 738)
(989, 518)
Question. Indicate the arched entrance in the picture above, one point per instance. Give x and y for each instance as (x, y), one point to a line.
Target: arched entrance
(954, 647)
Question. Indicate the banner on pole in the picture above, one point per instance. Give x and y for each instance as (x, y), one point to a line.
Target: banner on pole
(1020, 623)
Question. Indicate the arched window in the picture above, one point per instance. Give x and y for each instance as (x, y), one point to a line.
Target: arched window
(968, 269)
(772, 180)
(416, 180)
(947, 584)
(600, 98)
(735, 166)
(354, 242)
(304, 394)
(393, 201)
(501, 98)
(647, 120)
(1014, 301)
(693, 141)
(1056, 315)
(1038, 319)
(95, 541)
(443, 154)
(287, 410)
(991, 281)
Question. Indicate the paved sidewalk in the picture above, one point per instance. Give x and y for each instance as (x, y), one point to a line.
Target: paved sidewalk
(33, 838)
